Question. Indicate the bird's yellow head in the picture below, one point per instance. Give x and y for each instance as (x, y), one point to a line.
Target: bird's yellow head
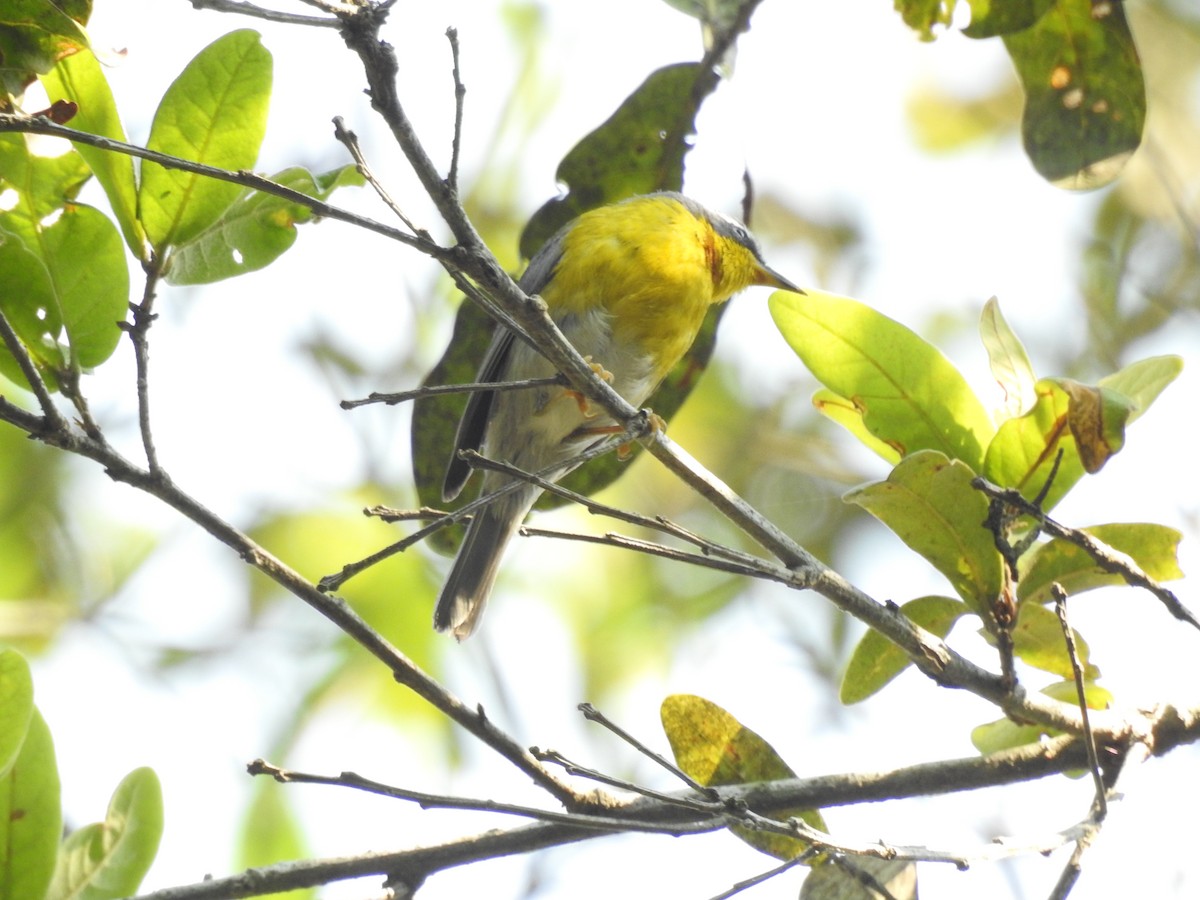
(653, 265)
(735, 259)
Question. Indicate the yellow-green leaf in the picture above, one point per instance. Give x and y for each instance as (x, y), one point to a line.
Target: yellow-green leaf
(1009, 362)
(1155, 548)
(715, 749)
(910, 396)
(214, 113)
(876, 660)
(929, 503)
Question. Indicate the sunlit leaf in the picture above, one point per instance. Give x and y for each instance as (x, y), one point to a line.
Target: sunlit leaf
(876, 660)
(1085, 95)
(1065, 691)
(929, 503)
(1025, 450)
(1009, 362)
(30, 816)
(255, 230)
(86, 261)
(80, 78)
(837, 408)
(1004, 734)
(214, 113)
(910, 395)
(1143, 381)
(109, 859)
(1038, 641)
(715, 749)
(16, 706)
(1153, 547)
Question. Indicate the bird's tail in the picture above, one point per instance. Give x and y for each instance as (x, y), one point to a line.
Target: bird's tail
(460, 605)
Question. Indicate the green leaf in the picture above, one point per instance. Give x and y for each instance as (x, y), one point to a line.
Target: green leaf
(1038, 640)
(1009, 362)
(255, 230)
(715, 749)
(70, 276)
(214, 113)
(876, 660)
(837, 408)
(16, 706)
(638, 150)
(35, 34)
(80, 79)
(109, 859)
(43, 183)
(1004, 734)
(86, 261)
(1153, 547)
(1085, 96)
(910, 395)
(1143, 381)
(1066, 692)
(29, 303)
(1023, 452)
(929, 503)
(30, 816)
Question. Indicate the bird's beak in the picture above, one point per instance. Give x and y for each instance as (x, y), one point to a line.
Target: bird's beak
(768, 277)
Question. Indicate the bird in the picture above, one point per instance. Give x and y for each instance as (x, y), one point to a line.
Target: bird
(629, 285)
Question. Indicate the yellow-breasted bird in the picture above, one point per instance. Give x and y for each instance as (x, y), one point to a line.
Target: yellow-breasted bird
(629, 285)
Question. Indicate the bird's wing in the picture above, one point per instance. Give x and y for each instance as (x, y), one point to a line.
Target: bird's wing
(473, 424)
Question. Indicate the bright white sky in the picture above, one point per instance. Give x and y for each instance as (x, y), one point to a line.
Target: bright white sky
(817, 112)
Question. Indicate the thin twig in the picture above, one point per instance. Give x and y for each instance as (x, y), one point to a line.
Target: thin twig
(762, 877)
(1089, 739)
(1108, 559)
(662, 551)
(594, 715)
(574, 768)
(460, 93)
(52, 419)
(335, 580)
(139, 336)
(441, 801)
(349, 140)
(436, 389)
(239, 7)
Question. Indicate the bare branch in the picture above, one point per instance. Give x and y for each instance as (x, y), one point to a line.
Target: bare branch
(460, 93)
(1108, 559)
(240, 7)
(436, 389)
(1089, 739)
(350, 141)
(53, 419)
